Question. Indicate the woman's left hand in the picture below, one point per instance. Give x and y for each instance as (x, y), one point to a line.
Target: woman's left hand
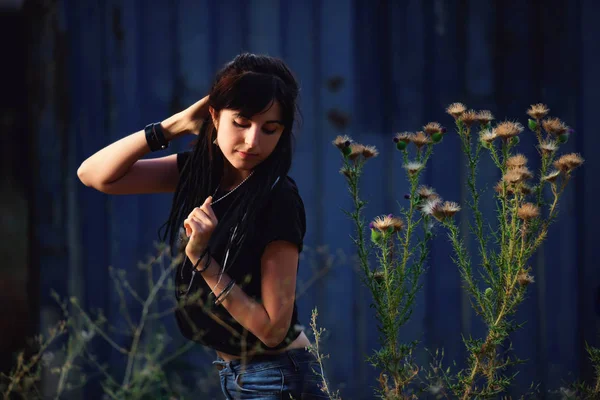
(199, 226)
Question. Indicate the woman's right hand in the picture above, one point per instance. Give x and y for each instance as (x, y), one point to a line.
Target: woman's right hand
(188, 121)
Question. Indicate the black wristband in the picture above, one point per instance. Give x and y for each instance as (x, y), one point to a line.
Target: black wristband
(155, 137)
(204, 253)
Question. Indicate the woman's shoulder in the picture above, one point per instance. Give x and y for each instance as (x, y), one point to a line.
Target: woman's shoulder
(287, 189)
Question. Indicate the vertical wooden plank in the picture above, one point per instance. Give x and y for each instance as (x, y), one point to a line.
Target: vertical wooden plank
(49, 152)
(588, 273)
(336, 59)
(123, 102)
(480, 94)
(229, 23)
(299, 54)
(517, 88)
(407, 48)
(560, 87)
(264, 35)
(88, 130)
(444, 84)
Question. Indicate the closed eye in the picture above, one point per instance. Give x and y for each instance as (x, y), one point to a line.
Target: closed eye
(267, 131)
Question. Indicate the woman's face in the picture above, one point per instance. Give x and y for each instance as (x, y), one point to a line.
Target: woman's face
(246, 141)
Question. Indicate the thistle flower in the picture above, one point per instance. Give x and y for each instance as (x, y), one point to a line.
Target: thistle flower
(432, 127)
(512, 188)
(538, 111)
(485, 117)
(554, 126)
(548, 147)
(524, 278)
(516, 161)
(387, 223)
(356, 149)
(369, 152)
(341, 142)
(488, 136)
(413, 167)
(508, 129)
(469, 117)
(517, 175)
(552, 176)
(449, 209)
(528, 211)
(425, 192)
(441, 211)
(420, 139)
(456, 109)
(402, 139)
(430, 205)
(347, 172)
(568, 162)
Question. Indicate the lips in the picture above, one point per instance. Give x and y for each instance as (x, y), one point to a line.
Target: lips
(247, 155)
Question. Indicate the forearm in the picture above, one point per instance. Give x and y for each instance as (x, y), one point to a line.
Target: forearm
(243, 308)
(113, 161)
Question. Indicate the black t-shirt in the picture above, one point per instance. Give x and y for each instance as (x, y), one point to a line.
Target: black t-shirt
(283, 218)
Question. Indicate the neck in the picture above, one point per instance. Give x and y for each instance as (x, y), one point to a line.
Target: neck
(232, 176)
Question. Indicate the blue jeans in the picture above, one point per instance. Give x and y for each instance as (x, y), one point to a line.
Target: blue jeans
(267, 377)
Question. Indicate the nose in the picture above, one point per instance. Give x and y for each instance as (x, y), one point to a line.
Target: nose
(252, 136)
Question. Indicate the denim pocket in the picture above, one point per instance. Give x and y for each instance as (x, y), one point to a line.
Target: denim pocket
(266, 382)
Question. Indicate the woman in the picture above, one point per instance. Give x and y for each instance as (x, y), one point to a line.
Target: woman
(243, 220)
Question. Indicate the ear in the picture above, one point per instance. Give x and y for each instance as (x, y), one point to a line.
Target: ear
(215, 117)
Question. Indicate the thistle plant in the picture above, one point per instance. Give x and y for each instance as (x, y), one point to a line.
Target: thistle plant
(524, 216)
(400, 245)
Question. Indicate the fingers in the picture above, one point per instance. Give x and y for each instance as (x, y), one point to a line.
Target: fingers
(207, 208)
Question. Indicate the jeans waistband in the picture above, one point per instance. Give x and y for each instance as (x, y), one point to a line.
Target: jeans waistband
(264, 361)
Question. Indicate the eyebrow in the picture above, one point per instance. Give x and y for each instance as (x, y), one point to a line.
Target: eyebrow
(271, 121)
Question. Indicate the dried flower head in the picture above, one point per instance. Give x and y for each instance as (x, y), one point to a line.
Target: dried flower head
(554, 126)
(517, 175)
(441, 211)
(500, 188)
(516, 161)
(552, 176)
(508, 129)
(425, 192)
(347, 172)
(420, 139)
(548, 147)
(387, 223)
(369, 152)
(356, 149)
(485, 117)
(435, 207)
(528, 211)
(456, 109)
(568, 162)
(430, 205)
(403, 137)
(432, 127)
(413, 167)
(512, 188)
(488, 136)
(524, 278)
(538, 111)
(469, 117)
(342, 141)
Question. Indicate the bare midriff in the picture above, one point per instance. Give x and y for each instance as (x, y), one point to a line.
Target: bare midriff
(299, 343)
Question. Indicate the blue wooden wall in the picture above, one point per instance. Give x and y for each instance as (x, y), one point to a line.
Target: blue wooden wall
(103, 69)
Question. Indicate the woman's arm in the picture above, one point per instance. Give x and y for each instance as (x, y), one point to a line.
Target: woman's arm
(118, 168)
(269, 321)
